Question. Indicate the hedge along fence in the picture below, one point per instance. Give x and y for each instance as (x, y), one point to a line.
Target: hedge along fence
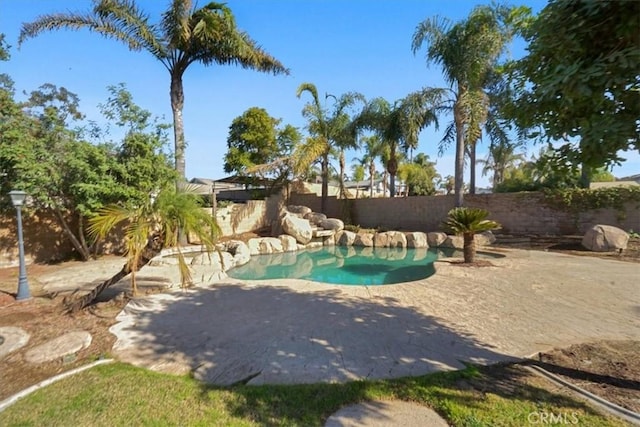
(553, 213)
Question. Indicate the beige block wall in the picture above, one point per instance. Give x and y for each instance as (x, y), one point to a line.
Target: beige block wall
(43, 239)
(519, 213)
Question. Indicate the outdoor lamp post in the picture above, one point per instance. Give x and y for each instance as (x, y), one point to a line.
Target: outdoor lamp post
(17, 198)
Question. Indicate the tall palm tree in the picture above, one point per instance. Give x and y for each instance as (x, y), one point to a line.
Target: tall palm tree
(149, 228)
(328, 130)
(398, 126)
(183, 36)
(467, 51)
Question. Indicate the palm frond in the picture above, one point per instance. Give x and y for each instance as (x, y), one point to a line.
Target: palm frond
(307, 153)
(175, 23)
(469, 220)
(128, 18)
(107, 218)
(447, 139)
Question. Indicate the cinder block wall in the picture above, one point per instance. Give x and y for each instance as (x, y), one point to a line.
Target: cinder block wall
(44, 240)
(519, 213)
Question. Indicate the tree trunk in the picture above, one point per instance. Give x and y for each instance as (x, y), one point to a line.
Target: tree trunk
(392, 167)
(372, 171)
(384, 183)
(152, 249)
(325, 182)
(177, 103)
(459, 169)
(472, 169)
(469, 248)
(342, 166)
(82, 250)
(585, 176)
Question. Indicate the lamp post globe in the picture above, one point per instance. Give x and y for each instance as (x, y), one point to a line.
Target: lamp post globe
(18, 198)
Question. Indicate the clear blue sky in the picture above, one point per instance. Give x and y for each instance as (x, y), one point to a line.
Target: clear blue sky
(339, 45)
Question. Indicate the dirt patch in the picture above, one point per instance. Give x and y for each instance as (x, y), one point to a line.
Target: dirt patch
(609, 369)
(569, 245)
(43, 320)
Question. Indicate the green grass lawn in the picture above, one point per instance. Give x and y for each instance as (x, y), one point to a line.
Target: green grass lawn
(119, 394)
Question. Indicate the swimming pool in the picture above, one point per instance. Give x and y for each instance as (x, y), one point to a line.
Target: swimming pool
(342, 265)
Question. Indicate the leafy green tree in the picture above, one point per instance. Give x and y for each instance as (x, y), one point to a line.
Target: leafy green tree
(328, 130)
(467, 51)
(142, 159)
(579, 82)
(602, 175)
(150, 227)
(548, 170)
(42, 156)
(469, 222)
(184, 35)
(252, 141)
(358, 175)
(419, 175)
(358, 172)
(71, 177)
(257, 147)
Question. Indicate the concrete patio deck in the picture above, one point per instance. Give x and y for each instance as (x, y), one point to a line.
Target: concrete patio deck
(294, 331)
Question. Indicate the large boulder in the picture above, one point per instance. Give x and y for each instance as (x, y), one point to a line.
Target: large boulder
(436, 239)
(264, 245)
(332, 224)
(289, 243)
(605, 238)
(417, 239)
(299, 211)
(455, 242)
(315, 218)
(239, 250)
(299, 228)
(485, 238)
(363, 239)
(219, 261)
(345, 238)
(390, 239)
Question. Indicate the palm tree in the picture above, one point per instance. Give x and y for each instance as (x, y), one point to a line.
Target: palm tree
(183, 36)
(148, 229)
(467, 51)
(468, 222)
(328, 131)
(373, 150)
(398, 126)
(502, 157)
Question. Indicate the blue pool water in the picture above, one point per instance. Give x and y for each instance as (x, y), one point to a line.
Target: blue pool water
(342, 265)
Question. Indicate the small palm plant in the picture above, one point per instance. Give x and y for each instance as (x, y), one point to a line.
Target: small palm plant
(468, 222)
(148, 229)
